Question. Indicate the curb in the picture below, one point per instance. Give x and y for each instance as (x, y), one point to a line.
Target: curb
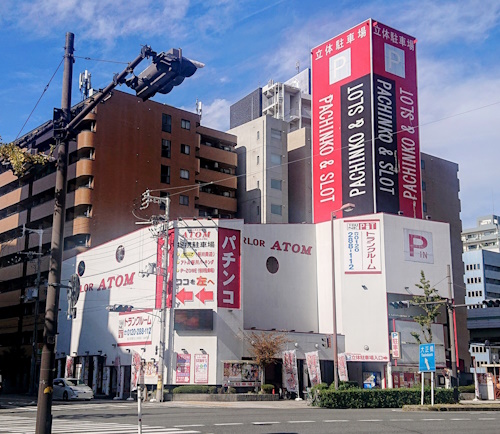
(453, 407)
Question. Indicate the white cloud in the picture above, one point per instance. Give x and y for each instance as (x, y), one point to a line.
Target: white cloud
(216, 115)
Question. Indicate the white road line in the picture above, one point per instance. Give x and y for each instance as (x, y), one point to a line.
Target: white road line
(370, 420)
(301, 421)
(401, 420)
(336, 420)
(264, 423)
(487, 418)
(429, 420)
(187, 426)
(460, 418)
(228, 424)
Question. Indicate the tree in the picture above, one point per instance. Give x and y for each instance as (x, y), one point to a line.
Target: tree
(19, 160)
(431, 303)
(265, 348)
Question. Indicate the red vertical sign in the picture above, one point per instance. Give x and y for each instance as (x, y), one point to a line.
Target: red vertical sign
(395, 81)
(228, 270)
(336, 63)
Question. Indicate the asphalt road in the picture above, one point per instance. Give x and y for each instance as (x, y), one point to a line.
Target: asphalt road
(282, 417)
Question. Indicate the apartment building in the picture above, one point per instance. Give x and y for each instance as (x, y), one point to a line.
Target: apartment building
(123, 147)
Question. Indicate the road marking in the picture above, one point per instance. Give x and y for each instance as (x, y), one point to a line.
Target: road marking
(264, 423)
(301, 421)
(187, 426)
(401, 420)
(431, 419)
(336, 420)
(370, 420)
(487, 418)
(460, 418)
(228, 423)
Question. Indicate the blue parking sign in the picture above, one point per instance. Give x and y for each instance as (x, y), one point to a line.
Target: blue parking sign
(427, 358)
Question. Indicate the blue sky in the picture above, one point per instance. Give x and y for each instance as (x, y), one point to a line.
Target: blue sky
(246, 43)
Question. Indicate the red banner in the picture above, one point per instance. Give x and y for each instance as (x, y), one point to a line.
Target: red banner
(228, 271)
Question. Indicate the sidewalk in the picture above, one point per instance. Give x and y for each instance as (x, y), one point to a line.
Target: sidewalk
(464, 405)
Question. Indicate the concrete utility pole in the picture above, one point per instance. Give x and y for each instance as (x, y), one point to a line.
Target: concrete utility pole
(146, 200)
(451, 321)
(44, 416)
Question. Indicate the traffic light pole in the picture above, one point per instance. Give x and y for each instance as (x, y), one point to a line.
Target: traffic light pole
(44, 415)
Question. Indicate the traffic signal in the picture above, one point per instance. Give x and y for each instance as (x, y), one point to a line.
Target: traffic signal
(120, 308)
(400, 304)
(491, 303)
(166, 71)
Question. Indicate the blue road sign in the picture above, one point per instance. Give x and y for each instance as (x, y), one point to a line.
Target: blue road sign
(427, 358)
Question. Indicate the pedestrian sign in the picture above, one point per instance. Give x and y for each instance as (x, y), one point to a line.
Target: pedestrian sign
(427, 358)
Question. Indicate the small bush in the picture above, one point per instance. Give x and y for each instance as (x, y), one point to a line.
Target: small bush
(467, 389)
(346, 385)
(267, 388)
(191, 389)
(212, 389)
(231, 390)
(380, 398)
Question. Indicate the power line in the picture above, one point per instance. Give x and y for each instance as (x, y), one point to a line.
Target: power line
(43, 93)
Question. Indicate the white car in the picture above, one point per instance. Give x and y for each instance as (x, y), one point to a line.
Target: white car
(71, 388)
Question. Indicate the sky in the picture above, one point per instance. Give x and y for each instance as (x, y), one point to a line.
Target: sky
(246, 43)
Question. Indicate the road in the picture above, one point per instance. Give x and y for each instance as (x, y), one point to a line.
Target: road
(228, 418)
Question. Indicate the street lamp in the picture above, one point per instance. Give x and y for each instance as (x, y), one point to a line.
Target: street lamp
(348, 207)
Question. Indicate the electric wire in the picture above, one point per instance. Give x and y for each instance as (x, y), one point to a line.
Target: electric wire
(39, 99)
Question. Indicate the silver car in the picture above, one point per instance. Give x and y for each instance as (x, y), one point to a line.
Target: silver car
(71, 388)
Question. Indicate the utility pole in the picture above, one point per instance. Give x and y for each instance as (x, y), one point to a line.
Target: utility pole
(44, 414)
(146, 200)
(38, 282)
(451, 322)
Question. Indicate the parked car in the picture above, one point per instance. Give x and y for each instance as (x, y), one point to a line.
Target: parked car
(71, 388)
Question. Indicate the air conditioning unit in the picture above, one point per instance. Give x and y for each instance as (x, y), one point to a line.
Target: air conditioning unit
(226, 194)
(216, 211)
(216, 165)
(494, 357)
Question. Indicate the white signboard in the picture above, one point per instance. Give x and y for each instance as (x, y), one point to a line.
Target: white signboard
(134, 328)
(196, 277)
(362, 249)
(418, 246)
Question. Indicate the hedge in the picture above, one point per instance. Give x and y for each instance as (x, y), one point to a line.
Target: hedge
(380, 398)
(191, 389)
(267, 388)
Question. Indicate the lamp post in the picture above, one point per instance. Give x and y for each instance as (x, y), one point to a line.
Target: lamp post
(348, 207)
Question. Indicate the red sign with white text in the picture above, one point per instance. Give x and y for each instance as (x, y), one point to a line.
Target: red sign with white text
(228, 271)
(160, 271)
(335, 63)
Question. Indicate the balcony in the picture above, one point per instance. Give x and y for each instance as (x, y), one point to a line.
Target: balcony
(222, 203)
(218, 155)
(217, 177)
(12, 222)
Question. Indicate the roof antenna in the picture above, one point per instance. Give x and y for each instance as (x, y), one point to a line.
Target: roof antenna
(85, 85)
(297, 66)
(198, 108)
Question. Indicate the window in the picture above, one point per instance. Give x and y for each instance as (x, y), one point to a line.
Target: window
(275, 134)
(185, 149)
(422, 164)
(276, 184)
(258, 135)
(184, 200)
(424, 206)
(186, 125)
(165, 174)
(276, 209)
(258, 210)
(184, 174)
(258, 184)
(276, 159)
(165, 148)
(424, 186)
(258, 159)
(166, 123)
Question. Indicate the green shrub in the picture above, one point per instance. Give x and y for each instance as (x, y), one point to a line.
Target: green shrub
(191, 389)
(231, 390)
(212, 389)
(267, 388)
(380, 398)
(467, 389)
(346, 385)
